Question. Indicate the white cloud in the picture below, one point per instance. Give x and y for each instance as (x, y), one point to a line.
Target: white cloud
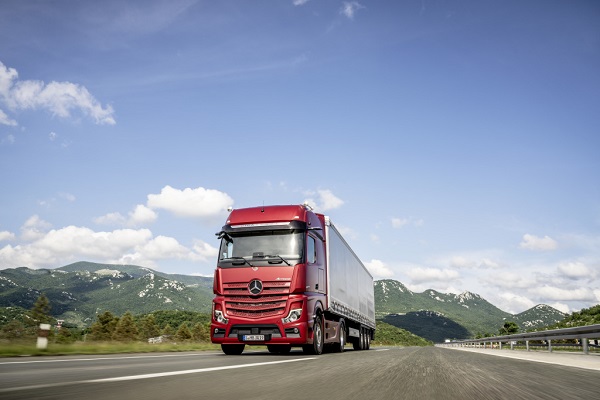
(561, 307)
(141, 215)
(72, 243)
(514, 303)
(420, 275)
(204, 250)
(575, 270)
(5, 119)
(349, 8)
(379, 269)
(67, 196)
(6, 235)
(401, 222)
(326, 200)
(34, 228)
(508, 280)
(111, 219)
(9, 139)
(161, 247)
(561, 294)
(62, 246)
(198, 202)
(532, 242)
(52, 136)
(300, 2)
(59, 98)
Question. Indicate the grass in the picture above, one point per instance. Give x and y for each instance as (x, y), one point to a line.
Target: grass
(19, 349)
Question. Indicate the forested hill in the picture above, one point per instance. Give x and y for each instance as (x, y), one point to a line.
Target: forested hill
(79, 292)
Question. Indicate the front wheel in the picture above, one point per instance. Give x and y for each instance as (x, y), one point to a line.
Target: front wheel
(233, 349)
(318, 341)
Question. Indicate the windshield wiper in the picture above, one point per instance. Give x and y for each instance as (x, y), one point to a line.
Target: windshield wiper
(276, 256)
(244, 261)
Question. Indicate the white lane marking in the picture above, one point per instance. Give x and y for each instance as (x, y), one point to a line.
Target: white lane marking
(156, 375)
(108, 358)
(192, 371)
(382, 349)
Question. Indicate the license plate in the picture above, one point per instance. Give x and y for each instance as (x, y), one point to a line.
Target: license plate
(254, 337)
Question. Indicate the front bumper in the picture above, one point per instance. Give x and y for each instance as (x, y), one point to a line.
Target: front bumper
(265, 332)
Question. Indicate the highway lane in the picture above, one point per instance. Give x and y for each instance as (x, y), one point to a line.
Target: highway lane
(394, 373)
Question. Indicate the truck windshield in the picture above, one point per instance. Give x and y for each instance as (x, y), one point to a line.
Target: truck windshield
(263, 247)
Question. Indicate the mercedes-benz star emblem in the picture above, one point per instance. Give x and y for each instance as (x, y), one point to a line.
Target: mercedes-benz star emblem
(255, 287)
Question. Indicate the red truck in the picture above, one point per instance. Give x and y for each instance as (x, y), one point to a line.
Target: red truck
(286, 278)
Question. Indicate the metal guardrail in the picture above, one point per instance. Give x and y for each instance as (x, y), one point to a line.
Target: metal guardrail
(582, 333)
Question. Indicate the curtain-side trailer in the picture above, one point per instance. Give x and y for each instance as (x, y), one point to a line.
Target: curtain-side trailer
(286, 278)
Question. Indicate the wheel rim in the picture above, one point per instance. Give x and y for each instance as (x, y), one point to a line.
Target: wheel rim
(318, 335)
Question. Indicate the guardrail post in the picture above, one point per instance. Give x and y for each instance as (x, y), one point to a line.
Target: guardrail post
(512, 344)
(584, 343)
(500, 345)
(527, 344)
(549, 346)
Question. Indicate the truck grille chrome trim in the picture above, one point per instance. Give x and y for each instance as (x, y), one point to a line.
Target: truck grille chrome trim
(270, 302)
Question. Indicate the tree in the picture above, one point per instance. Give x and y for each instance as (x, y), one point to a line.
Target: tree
(148, 327)
(199, 333)
(13, 330)
(125, 330)
(184, 332)
(40, 313)
(104, 328)
(65, 335)
(509, 328)
(168, 330)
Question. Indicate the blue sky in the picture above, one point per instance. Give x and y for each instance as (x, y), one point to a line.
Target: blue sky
(455, 143)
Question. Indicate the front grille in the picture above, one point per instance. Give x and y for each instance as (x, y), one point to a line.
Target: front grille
(269, 303)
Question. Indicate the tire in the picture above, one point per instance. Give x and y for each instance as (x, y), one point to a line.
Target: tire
(233, 349)
(316, 347)
(339, 347)
(279, 348)
(367, 339)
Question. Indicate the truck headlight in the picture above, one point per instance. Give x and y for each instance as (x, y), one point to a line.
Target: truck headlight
(220, 318)
(293, 316)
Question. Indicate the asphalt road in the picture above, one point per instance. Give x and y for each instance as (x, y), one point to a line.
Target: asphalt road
(381, 373)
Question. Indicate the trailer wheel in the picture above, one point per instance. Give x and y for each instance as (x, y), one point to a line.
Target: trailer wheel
(339, 347)
(367, 339)
(317, 347)
(233, 349)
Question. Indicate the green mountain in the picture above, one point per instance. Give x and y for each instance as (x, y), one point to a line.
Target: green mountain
(583, 317)
(397, 305)
(387, 335)
(537, 317)
(80, 291)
